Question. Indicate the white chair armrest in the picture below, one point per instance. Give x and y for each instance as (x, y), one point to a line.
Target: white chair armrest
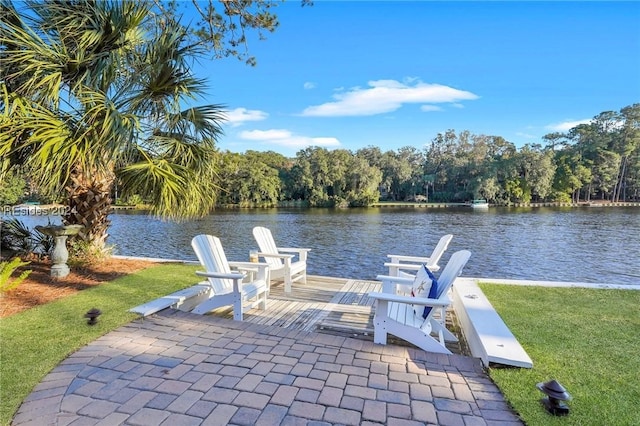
(409, 266)
(301, 252)
(258, 271)
(237, 279)
(421, 301)
(396, 268)
(396, 280)
(231, 276)
(396, 258)
(390, 283)
(281, 256)
(293, 250)
(251, 266)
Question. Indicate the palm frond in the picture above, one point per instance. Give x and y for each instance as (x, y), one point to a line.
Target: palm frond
(203, 121)
(194, 156)
(32, 66)
(15, 237)
(157, 179)
(176, 191)
(164, 75)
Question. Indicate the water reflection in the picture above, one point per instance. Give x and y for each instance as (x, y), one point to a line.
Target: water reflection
(566, 244)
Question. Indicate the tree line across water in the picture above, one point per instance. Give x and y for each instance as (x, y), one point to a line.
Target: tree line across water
(595, 161)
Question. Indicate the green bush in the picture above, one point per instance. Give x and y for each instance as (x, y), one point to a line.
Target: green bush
(83, 253)
(7, 269)
(19, 240)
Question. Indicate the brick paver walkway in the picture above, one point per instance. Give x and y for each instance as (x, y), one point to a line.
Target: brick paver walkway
(178, 369)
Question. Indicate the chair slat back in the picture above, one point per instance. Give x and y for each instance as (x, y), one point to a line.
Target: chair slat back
(211, 255)
(454, 268)
(445, 280)
(267, 244)
(440, 248)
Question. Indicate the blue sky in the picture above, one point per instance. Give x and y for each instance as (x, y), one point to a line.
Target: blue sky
(350, 74)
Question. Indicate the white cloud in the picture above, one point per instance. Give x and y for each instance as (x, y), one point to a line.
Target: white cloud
(265, 135)
(326, 142)
(239, 116)
(385, 96)
(567, 125)
(428, 108)
(309, 85)
(285, 138)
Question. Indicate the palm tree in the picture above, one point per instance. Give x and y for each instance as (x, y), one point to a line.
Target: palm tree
(91, 92)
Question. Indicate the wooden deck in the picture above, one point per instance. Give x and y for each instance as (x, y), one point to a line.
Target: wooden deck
(329, 305)
(322, 302)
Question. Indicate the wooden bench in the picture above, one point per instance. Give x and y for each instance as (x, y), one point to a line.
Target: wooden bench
(487, 335)
(184, 300)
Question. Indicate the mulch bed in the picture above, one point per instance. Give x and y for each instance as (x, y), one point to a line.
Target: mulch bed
(39, 288)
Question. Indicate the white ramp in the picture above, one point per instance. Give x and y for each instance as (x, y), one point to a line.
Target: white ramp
(487, 335)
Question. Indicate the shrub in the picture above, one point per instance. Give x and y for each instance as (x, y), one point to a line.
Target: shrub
(19, 240)
(83, 253)
(6, 269)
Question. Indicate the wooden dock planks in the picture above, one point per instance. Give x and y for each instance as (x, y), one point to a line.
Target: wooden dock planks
(323, 303)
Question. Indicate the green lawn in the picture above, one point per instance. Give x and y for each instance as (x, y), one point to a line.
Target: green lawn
(35, 341)
(588, 340)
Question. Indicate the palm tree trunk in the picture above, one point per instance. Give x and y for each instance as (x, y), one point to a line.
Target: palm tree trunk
(89, 204)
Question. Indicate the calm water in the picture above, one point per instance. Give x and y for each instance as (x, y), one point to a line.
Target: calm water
(600, 245)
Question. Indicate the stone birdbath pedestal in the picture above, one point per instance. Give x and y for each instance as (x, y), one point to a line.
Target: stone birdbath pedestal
(59, 255)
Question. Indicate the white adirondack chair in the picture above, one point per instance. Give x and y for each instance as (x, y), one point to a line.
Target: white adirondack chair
(226, 285)
(281, 260)
(399, 263)
(402, 316)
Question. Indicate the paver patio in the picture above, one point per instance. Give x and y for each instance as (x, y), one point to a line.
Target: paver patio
(177, 368)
